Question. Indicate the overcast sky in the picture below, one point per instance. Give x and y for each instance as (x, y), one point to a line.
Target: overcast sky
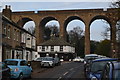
(96, 28)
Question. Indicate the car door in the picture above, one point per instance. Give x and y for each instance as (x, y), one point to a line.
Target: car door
(5, 72)
(25, 68)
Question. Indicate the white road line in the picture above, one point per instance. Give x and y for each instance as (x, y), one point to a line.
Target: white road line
(71, 69)
(59, 78)
(65, 73)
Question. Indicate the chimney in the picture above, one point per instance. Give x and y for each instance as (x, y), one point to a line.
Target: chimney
(7, 11)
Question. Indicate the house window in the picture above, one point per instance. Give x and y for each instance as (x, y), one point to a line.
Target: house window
(14, 34)
(28, 38)
(5, 32)
(52, 48)
(17, 35)
(61, 48)
(8, 32)
(43, 48)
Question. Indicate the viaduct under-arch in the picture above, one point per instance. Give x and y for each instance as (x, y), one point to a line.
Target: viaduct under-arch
(64, 17)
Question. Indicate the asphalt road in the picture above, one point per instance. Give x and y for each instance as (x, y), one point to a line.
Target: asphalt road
(66, 71)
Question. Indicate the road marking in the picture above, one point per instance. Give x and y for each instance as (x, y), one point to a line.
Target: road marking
(59, 78)
(65, 73)
(71, 69)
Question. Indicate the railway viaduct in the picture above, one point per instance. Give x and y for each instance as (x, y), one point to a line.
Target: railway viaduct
(87, 16)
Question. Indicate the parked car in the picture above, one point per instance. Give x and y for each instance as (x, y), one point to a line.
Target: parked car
(78, 59)
(19, 68)
(48, 62)
(111, 71)
(90, 57)
(57, 61)
(87, 61)
(4, 71)
(38, 59)
(96, 68)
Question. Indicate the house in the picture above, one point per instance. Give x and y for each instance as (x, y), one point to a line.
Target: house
(16, 42)
(56, 47)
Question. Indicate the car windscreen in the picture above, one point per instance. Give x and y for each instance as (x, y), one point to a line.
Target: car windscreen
(48, 59)
(39, 59)
(98, 66)
(116, 74)
(90, 57)
(12, 63)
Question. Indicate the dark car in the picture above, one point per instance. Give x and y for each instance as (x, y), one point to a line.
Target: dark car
(96, 68)
(111, 71)
(4, 71)
(87, 60)
(57, 61)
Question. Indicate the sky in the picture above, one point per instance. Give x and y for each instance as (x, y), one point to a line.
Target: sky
(95, 29)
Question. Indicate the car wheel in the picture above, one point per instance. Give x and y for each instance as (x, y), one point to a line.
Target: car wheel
(30, 76)
(20, 77)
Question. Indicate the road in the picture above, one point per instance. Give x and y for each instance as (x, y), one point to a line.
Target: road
(67, 71)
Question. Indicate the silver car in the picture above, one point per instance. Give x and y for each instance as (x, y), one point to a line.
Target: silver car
(48, 62)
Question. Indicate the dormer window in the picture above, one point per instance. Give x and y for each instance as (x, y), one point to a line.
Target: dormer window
(61, 48)
(52, 48)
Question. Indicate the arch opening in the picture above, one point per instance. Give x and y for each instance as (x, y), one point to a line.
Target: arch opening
(100, 28)
(28, 24)
(100, 36)
(75, 28)
(50, 26)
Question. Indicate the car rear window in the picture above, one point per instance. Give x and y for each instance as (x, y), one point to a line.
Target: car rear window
(12, 63)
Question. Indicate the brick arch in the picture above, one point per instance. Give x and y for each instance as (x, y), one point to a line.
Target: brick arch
(100, 17)
(21, 22)
(46, 19)
(70, 19)
(42, 24)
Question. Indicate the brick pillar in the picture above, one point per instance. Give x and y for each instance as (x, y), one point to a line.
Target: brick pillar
(62, 30)
(87, 39)
(113, 40)
(39, 33)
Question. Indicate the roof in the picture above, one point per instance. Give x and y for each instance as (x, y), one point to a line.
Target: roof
(105, 59)
(55, 41)
(91, 55)
(13, 59)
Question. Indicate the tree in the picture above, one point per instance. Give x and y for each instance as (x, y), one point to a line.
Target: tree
(47, 33)
(104, 48)
(76, 38)
(75, 34)
(105, 33)
(93, 47)
(50, 30)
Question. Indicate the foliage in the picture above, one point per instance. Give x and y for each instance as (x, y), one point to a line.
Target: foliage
(104, 48)
(76, 38)
(50, 31)
(93, 46)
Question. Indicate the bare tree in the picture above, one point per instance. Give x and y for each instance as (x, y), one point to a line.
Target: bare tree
(105, 33)
(51, 30)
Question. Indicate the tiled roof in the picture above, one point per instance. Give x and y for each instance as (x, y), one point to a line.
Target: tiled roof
(55, 41)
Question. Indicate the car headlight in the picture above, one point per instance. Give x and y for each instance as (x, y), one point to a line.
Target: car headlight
(84, 62)
(50, 62)
(94, 78)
